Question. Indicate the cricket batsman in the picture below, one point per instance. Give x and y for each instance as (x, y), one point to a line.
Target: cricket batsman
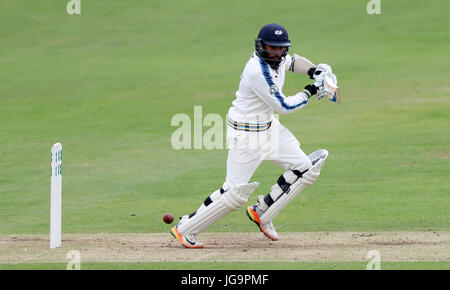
(254, 135)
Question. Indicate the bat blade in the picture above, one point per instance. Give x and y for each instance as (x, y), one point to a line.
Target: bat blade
(334, 89)
(337, 96)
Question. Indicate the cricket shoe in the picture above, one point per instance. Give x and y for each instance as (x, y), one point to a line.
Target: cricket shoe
(187, 240)
(267, 229)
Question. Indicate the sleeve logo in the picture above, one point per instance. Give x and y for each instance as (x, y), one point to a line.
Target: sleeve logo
(274, 89)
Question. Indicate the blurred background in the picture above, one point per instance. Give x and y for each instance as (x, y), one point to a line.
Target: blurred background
(106, 84)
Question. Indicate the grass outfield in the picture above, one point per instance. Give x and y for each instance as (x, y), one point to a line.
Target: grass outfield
(232, 266)
(106, 84)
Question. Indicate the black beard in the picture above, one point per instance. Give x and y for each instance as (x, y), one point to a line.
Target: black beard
(273, 63)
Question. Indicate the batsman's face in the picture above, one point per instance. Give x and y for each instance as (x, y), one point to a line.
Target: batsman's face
(274, 52)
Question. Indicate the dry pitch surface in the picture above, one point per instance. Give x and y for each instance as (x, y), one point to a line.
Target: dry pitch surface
(228, 247)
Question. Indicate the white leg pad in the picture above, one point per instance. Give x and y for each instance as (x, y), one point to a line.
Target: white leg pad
(317, 158)
(231, 200)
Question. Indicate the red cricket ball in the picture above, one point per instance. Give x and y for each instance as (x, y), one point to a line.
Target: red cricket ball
(168, 218)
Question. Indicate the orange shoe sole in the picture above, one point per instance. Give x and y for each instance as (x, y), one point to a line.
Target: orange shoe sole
(177, 235)
(253, 216)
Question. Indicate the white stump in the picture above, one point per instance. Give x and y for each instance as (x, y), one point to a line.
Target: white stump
(55, 196)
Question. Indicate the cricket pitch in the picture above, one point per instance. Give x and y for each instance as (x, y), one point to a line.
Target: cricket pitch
(231, 247)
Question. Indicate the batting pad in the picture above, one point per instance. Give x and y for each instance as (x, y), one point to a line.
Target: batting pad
(317, 159)
(231, 200)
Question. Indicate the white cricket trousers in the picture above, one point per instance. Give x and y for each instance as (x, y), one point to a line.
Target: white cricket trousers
(248, 149)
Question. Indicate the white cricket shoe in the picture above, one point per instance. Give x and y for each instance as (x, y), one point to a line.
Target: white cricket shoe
(267, 229)
(187, 240)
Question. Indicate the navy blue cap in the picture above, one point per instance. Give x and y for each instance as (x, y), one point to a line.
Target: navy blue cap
(274, 35)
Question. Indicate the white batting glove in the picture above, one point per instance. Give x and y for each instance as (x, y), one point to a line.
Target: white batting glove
(324, 67)
(315, 72)
(326, 84)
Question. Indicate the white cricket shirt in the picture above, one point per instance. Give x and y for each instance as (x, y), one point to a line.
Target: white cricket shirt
(260, 93)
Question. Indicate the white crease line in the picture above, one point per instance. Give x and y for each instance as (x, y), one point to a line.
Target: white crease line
(281, 226)
(38, 255)
(27, 259)
(206, 255)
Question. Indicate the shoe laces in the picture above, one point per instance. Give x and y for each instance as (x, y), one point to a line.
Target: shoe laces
(183, 219)
(260, 207)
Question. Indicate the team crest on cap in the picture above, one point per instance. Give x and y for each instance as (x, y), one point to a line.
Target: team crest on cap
(278, 32)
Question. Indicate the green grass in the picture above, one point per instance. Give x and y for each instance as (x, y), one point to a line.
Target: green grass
(233, 266)
(106, 84)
